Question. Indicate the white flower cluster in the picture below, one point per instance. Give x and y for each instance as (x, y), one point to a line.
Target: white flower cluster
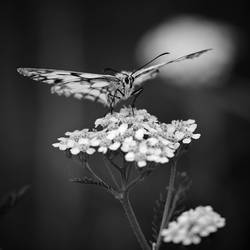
(137, 134)
(192, 225)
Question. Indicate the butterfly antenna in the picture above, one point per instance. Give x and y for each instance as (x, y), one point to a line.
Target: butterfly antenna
(163, 54)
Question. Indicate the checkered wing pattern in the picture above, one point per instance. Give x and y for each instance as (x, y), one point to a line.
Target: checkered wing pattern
(150, 72)
(94, 87)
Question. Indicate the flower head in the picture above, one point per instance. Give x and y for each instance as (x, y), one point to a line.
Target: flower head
(192, 225)
(138, 135)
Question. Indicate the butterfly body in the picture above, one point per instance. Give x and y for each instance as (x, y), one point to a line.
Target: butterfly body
(107, 89)
(122, 89)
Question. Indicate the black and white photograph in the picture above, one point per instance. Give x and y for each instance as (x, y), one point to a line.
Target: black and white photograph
(124, 125)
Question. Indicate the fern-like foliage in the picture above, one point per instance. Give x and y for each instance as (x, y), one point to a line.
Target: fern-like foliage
(180, 195)
(158, 212)
(182, 185)
(90, 181)
(11, 199)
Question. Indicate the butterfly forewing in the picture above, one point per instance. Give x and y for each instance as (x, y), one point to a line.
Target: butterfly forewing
(94, 87)
(103, 88)
(150, 72)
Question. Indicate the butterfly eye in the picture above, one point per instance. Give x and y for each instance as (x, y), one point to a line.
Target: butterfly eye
(126, 80)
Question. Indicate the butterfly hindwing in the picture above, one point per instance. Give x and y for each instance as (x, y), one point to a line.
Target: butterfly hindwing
(150, 72)
(94, 87)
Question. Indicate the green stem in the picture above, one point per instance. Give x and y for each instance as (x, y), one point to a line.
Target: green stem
(133, 222)
(165, 216)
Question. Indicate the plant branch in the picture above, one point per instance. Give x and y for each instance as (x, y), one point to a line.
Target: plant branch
(133, 222)
(172, 209)
(114, 164)
(111, 173)
(165, 215)
(133, 182)
(94, 174)
(128, 172)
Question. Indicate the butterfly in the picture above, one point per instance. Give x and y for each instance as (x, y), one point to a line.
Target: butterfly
(108, 89)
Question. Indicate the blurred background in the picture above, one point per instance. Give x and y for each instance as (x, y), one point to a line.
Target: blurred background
(89, 36)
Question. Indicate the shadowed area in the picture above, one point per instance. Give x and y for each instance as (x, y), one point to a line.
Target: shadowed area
(89, 36)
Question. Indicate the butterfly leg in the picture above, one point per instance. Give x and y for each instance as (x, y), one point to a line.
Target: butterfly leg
(111, 108)
(135, 94)
(112, 101)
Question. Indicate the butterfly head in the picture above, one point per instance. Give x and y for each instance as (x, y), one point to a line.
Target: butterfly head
(128, 80)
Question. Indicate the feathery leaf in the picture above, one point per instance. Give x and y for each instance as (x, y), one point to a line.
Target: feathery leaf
(11, 199)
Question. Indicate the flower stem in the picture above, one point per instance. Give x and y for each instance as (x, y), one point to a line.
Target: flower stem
(133, 182)
(133, 222)
(165, 216)
(111, 173)
(94, 174)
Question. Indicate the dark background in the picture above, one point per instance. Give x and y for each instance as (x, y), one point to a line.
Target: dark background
(89, 36)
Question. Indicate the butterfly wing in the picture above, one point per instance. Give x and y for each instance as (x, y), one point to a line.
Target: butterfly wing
(150, 72)
(81, 85)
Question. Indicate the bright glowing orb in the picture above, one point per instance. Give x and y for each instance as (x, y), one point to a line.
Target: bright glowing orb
(187, 34)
